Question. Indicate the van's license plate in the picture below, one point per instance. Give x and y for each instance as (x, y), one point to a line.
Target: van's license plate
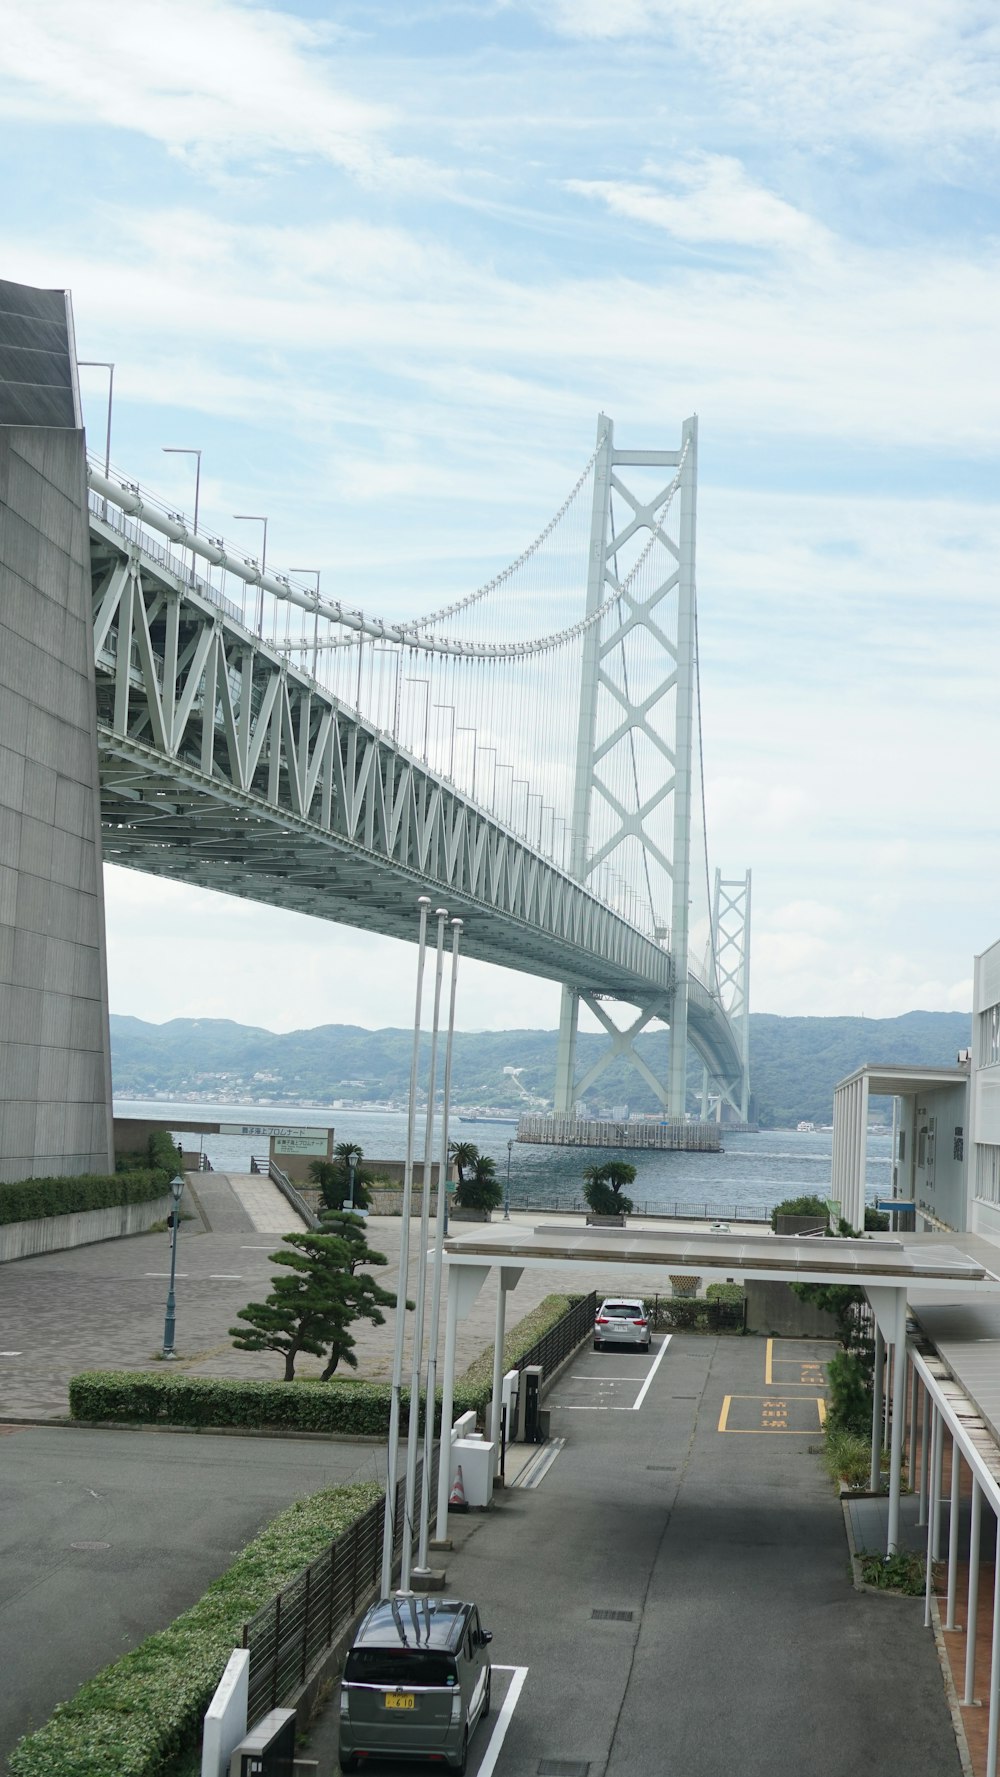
(400, 1700)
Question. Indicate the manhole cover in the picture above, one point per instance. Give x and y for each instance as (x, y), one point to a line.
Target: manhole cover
(90, 1545)
(611, 1616)
(563, 1767)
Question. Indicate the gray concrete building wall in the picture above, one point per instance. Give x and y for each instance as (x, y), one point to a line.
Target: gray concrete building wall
(55, 1058)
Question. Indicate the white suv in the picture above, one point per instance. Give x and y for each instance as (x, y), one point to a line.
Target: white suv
(623, 1320)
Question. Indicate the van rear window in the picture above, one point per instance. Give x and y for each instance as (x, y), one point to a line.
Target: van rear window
(416, 1666)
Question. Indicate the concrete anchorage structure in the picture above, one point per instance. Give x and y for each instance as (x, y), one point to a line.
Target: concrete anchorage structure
(55, 1066)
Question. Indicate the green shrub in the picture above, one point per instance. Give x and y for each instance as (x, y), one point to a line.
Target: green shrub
(354, 1408)
(903, 1572)
(876, 1220)
(30, 1200)
(146, 1709)
(850, 1394)
(798, 1206)
(848, 1456)
(520, 1339)
(696, 1314)
(725, 1292)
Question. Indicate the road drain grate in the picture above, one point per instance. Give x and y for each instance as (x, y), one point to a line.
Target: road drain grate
(611, 1616)
(663, 1468)
(563, 1767)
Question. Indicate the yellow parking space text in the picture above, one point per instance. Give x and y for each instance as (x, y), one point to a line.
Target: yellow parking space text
(796, 1416)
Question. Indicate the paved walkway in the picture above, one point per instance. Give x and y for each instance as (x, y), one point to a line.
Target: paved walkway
(102, 1307)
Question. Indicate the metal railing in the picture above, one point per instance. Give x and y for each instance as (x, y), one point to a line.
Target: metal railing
(561, 1340)
(294, 1197)
(288, 1634)
(677, 1211)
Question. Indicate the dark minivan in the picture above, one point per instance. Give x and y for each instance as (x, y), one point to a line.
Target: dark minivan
(416, 1682)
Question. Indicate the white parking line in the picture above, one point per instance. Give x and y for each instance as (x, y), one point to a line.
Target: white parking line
(503, 1720)
(645, 1387)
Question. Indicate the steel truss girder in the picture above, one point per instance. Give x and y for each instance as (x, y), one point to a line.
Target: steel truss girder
(223, 766)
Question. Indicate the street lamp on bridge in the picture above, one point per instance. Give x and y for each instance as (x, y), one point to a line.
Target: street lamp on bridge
(187, 450)
(258, 518)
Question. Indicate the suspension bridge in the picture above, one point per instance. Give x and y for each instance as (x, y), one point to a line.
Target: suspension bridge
(258, 738)
(529, 753)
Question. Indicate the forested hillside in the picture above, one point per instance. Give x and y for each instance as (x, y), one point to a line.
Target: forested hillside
(794, 1062)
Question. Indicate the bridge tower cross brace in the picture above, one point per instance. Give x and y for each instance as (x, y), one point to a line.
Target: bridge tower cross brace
(600, 641)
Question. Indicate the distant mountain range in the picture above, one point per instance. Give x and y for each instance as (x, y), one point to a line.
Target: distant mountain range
(794, 1062)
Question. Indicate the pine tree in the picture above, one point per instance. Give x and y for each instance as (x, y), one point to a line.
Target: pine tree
(313, 1309)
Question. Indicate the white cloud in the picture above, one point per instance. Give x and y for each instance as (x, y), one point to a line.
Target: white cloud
(213, 79)
(713, 200)
(833, 70)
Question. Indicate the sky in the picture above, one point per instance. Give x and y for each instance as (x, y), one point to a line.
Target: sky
(385, 262)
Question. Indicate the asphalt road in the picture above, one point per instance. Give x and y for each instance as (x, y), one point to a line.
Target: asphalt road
(741, 1644)
(106, 1536)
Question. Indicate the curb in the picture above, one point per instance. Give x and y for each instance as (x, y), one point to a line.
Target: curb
(208, 1431)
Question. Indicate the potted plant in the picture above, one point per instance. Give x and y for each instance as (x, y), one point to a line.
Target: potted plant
(477, 1192)
(603, 1190)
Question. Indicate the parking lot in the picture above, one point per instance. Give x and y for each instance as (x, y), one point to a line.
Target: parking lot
(673, 1595)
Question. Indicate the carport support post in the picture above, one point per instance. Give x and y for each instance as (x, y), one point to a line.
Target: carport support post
(911, 1466)
(932, 1512)
(994, 1730)
(464, 1285)
(937, 1490)
(878, 1378)
(924, 1460)
(509, 1278)
(953, 1510)
(972, 1597)
(898, 1414)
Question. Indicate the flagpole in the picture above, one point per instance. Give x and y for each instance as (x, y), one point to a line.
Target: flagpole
(435, 1322)
(404, 1264)
(413, 1429)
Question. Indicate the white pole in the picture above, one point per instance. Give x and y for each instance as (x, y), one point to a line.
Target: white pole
(875, 1468)
(498, 1365)
(972, 1596)
(447, 1408)
(994, 1730)
(423, 903)
(444, 1443)
(932, 1512)
(896, 1437)
(888, 1392)
(416, 1365)
(938, 1489)
(953, 1510)
(911, 1466)
(924, 1461)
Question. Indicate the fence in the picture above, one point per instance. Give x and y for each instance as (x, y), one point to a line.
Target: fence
(292, 1629)
(561, 1340)
(656, 1211)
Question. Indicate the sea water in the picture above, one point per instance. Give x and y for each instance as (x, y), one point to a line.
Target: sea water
(753, 1171)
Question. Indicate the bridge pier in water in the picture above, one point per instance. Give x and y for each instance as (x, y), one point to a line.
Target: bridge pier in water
(55, 1062)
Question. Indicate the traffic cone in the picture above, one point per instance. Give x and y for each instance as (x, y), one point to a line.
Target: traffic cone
(457, 1501)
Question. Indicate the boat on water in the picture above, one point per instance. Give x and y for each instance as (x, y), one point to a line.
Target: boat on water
(487, 1119)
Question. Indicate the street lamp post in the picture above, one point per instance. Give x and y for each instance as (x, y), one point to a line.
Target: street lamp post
(352, 1161)
(258, 518)
(102, 364)
(186, 450)
(506, 1195)
(176, 1189)
(317, 572)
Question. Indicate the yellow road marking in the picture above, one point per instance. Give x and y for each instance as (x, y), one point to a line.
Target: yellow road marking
(774, 1415)
(768, 1378)
(724, 1415)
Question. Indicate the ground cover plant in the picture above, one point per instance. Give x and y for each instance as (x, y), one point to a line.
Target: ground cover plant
(140, 1713)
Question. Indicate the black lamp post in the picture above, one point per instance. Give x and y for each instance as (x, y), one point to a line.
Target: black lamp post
(352, 1161)
(176, 1189)
(506, 1195)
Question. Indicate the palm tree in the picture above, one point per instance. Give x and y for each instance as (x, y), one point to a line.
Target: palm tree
(464, 1154)
(344, 1150)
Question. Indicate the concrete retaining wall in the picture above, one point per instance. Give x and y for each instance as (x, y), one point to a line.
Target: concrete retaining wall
(53, 1234)
(773, 1309)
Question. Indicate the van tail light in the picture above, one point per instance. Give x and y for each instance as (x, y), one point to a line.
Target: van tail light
(638, 1323)
(456, 1705)
(602, 1321)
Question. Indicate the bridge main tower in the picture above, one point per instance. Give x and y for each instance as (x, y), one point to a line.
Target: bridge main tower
(633, 787)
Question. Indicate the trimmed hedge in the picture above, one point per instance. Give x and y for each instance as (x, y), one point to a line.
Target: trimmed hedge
(522, 1336)
(354, 1408)
(34, 1199)
(357, 1409)
(693, 1314)
(146, 1709)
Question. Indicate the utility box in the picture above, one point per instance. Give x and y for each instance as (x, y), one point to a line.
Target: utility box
(531, 1388)
(476, 1459)
(269, 1748)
